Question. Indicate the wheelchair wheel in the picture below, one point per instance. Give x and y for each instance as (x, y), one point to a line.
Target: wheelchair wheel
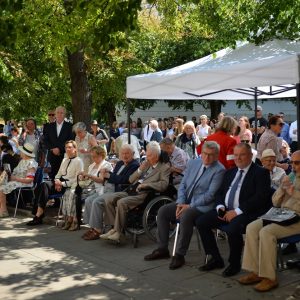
(150, 215)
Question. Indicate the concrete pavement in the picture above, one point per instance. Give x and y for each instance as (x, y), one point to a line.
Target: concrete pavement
(48, 263)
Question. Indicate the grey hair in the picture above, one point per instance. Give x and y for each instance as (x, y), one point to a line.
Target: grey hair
(167, 141)
(127, 146)
(154, 123)
(79, 125)
(211, 145)
(61, 108)
(154, 146)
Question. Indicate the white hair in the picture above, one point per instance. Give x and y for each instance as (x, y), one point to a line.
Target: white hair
(79, 126)
(154, 147)
(127, 146)
(154, 124)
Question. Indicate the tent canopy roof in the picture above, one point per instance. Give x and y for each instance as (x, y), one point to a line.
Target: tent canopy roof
(226, 74)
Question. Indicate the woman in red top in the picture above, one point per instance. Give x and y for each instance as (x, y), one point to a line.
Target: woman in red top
(222, 136)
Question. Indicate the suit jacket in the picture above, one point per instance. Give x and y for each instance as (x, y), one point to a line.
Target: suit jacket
(158, 179)
(255, 193)
(123, 177)
(206, 188)
(53, 141)
(156, 136)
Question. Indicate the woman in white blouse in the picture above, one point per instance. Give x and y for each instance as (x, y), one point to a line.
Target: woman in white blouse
(203, 130)
(65, 178)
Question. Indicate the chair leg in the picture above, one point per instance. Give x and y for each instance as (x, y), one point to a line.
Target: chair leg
(59, 211)
(17, 203)
(280, 261)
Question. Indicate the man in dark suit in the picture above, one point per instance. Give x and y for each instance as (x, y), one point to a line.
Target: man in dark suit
(244, 195)
(56, 134)
(157, 134)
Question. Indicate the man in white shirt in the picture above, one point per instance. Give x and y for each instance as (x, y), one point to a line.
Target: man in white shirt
(294, 137)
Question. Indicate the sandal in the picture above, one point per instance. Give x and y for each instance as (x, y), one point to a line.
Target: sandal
(93, 235)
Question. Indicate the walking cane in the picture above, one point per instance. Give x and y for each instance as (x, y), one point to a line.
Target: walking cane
(176, 237)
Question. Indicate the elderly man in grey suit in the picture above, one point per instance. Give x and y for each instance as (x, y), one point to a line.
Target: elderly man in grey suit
(196, 196)
(152, 174)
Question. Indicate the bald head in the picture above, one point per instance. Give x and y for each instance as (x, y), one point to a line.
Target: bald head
(295, 161)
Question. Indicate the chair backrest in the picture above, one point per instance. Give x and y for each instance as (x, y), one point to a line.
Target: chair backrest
(38, 177)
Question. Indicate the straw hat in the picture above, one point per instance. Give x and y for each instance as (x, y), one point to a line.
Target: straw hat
(268, 153)
(27, 149)
(94, 122)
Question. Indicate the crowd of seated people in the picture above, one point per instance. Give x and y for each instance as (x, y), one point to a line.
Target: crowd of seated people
(220, 185)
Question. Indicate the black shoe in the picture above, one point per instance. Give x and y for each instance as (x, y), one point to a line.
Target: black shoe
(212, 264)
(231, 270)
(290, 249)
(35, 221)
(293, 263)
(158, 254)
(177, 262)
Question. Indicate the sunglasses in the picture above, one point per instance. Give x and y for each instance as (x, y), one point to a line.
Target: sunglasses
(295, 162)
(51, 115)
(245, 141)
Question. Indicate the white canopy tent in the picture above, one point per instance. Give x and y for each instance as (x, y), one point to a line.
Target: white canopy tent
(247, 72)
(224, 75)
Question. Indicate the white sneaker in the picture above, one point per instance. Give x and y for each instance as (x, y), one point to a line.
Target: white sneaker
(116, 237)
(106, 235)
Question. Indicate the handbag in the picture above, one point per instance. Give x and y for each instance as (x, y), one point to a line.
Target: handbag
(280, 216)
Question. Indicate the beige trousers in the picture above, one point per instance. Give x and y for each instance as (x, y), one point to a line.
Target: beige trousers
(260, 252)
(116, 207)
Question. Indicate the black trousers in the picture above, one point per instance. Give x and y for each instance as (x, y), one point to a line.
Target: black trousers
(167, 215)
(55, 162)
(234, 230)
(42, 193)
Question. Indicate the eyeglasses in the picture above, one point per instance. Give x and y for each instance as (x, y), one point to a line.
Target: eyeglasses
(295, 162)
(245, 141)
(51, 115)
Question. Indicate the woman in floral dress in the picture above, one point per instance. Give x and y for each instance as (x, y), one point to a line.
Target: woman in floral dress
(22, 176)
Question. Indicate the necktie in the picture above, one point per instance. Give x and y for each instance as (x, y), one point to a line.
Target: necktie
(190, 193)
(233, 191)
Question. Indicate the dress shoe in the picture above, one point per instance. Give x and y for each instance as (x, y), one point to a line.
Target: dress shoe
(250, 278)
(158, 254)
(106, 235)
(35, 221)
(290, 249)
(266, 285)
(231, 270)
(177, 262)
(4, 214)
(293, 263)
(212, 264)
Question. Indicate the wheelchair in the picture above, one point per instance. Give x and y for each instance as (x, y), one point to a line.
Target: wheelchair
(142, 218)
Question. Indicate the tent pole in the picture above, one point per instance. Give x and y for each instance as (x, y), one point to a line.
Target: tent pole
(298, 111)
(128, 121)
(255, 117)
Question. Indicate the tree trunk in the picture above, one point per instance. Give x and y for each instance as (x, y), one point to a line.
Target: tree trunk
(80, 89)
(215, 108)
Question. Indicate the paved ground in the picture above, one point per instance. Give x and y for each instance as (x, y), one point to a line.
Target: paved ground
(48, 263)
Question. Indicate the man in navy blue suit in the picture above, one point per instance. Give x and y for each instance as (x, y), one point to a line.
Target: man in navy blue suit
(244, 195)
